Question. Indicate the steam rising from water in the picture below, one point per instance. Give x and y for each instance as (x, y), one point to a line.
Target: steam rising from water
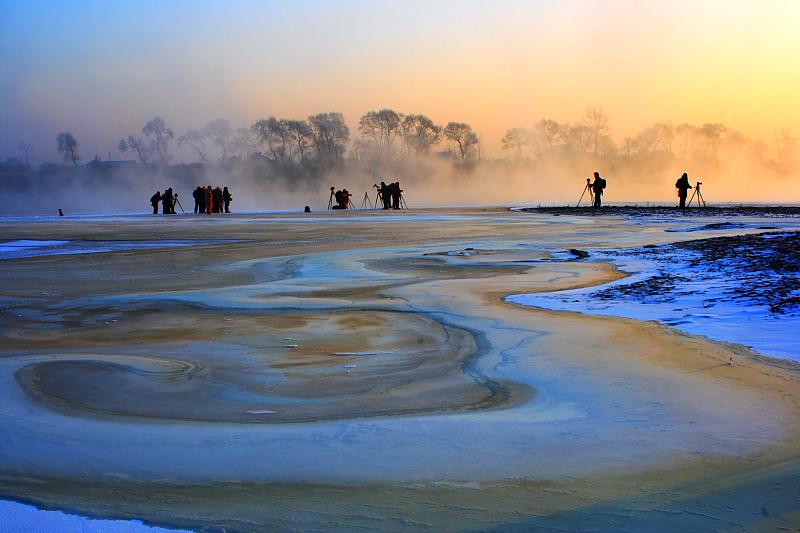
(550, 180)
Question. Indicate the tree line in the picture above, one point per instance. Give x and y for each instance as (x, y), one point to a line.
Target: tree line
(321, 141)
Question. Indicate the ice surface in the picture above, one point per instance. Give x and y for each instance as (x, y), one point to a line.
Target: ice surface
(703, 303)
(21, 518)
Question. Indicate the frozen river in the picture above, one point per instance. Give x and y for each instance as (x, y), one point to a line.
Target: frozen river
(285, 373)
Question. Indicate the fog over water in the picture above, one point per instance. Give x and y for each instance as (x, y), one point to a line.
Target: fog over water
(640, 92)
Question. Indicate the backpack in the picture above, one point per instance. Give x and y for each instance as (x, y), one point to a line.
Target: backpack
(602, 182)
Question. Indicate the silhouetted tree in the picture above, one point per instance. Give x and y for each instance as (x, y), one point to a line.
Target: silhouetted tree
(580, 136)
(158, 128)
(685, 133)
(302, 136)
(330, 135)
(196, 141)
(274, 134)
(244, 142)
(786, 144)
(464, 139)
(382, 126)
(515, 139)
(420, 133)
(548, 133)
(596, 121)
(144, 150)
(68, 145)
(26, 150)
(220, 133)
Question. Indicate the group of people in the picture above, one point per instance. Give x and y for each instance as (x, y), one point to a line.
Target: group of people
(210, 200)
(168, 201)
(206, 200)
(390, 195)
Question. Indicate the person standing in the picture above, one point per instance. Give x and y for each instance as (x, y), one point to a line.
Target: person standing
(167, 202)
(396, 192)
(683, 187)
(385, 194)
(199, 196)
(216, 198)
(598, 185)
(226, 199)
(154, 201)
(209, 200)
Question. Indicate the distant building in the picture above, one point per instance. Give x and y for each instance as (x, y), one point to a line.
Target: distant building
(107, 166)
(14, 167)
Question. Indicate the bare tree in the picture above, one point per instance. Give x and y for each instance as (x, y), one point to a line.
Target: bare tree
(516, 139)
(144, 150)
(666, 135)
(26, 150)
(596, 121)
(301, 135)
(382, 126)
(244, 142)
(548, 133)
(420, 133)
(463, 138)
(158, 128)
(68, 145)
(330, 135)
(196, 141)
(273, 133)
(581, 137)
(786, 144)
(220, 132)
(685, 133)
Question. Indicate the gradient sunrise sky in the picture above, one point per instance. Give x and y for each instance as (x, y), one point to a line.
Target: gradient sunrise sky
(102, 69)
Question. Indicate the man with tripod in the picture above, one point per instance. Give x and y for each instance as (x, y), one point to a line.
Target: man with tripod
(683, 187)
(597, 188)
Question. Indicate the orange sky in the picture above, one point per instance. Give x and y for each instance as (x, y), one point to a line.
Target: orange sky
(103, 69)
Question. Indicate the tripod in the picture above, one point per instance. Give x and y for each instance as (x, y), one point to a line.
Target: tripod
(179, 205)
(330, 199)
(366, 201)
(403, 203)
(587, 188)
(699, 195)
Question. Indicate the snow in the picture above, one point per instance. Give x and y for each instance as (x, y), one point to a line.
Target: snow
(701, 306)
(21, 518)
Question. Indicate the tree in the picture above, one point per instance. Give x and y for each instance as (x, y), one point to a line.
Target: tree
(787, 147)
(158, 128)
(548, 133)
(515, 139)
(302, 136)
(686, 132)
(26, 151)
(463, 138)
(580, 136)
(330, 135)
(196, 141)
(420, 133)
(382, 126)
(143, 150)
(244, 142)
(596, 121)
(220, 132)
(273, 133)
(68, 145)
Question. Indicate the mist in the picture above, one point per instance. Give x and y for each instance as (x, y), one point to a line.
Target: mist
(556, 176)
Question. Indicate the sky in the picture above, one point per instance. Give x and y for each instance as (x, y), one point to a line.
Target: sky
(102, 69)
